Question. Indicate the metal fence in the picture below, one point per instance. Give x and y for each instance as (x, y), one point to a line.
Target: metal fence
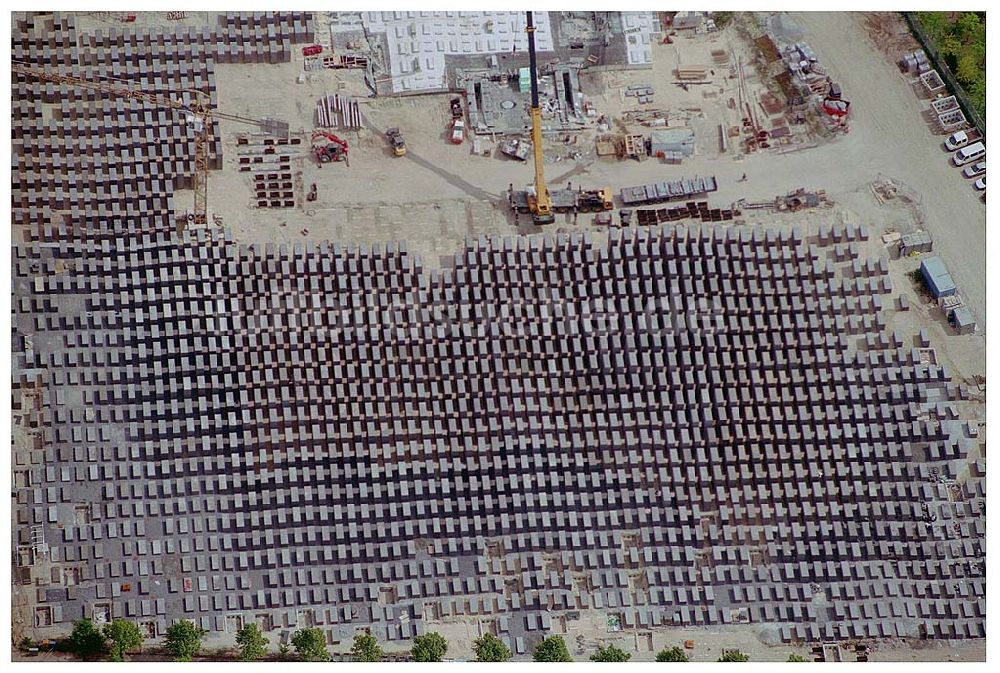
(942, 67)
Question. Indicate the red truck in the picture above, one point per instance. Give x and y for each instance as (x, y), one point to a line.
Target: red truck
(312, 50)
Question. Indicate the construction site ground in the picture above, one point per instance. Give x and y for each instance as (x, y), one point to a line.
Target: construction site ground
(440, 193)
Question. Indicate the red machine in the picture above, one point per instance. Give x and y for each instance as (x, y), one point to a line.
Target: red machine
(328, 148)
(312, 50)
(836, 108)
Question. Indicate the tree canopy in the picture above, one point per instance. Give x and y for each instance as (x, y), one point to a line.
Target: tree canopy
(960, 37)
(610, 653)
(184, 640)
(124, 637)
(86, 640)
(552, 648)
(429, 647)
(310, 645)
(733, 655)
(490, 648)
(252, 642)
(366, 648)
(675, 653)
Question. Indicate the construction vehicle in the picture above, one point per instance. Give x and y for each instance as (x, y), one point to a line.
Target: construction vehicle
(457, 131)
(329, 148)
(565, 201)
(540, 202)
(396, 141)
(960, 139)
(198, 115)
(456, 108)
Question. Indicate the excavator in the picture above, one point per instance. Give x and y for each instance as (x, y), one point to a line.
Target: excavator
(540, 202)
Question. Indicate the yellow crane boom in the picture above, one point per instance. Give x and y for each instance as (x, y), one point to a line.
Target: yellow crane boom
(540, 203)
(198, 107)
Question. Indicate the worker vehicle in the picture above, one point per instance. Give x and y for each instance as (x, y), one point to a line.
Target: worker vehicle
(312, 50)
(457, 131)
(456, 108)
(539, 202)
(969, 153)
(960, 139)
(975, 169)
(567, 200)
(313, 194)
(396, 141)
(328, 148)
(980, 184)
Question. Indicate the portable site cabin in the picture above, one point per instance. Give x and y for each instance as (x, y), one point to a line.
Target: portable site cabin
(917, 241)
(961, 319)
(936, 275)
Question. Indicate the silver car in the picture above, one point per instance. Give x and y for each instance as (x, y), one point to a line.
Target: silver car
(975, 169)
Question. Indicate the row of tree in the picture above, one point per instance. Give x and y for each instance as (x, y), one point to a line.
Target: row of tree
(184, 639)
(960, 37)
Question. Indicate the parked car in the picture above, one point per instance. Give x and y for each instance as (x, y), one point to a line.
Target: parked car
(975, 169)
(980, 184)
(457, 131)
(969, 153)
(960, 139)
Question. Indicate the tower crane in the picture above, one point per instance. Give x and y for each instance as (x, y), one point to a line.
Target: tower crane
(200, 117)
(540, 202)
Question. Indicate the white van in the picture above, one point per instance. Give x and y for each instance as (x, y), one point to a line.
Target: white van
(970, 153)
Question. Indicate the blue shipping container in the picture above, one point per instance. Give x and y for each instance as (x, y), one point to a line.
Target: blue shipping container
(938, 279)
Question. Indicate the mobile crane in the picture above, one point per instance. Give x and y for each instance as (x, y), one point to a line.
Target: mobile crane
(199, 118)
(541, 203)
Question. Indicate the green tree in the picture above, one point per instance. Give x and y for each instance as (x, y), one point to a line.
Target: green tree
(86, 640)
(124, 637)
(252, 642)
(490, 648)
(610, 653)
(935, 24)
(366, 648)
(184, 640)
(310, 645)
(675, 653)
(796, 657)
(733, 655)
(969, 27)
(429, 647)
(552, 648)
